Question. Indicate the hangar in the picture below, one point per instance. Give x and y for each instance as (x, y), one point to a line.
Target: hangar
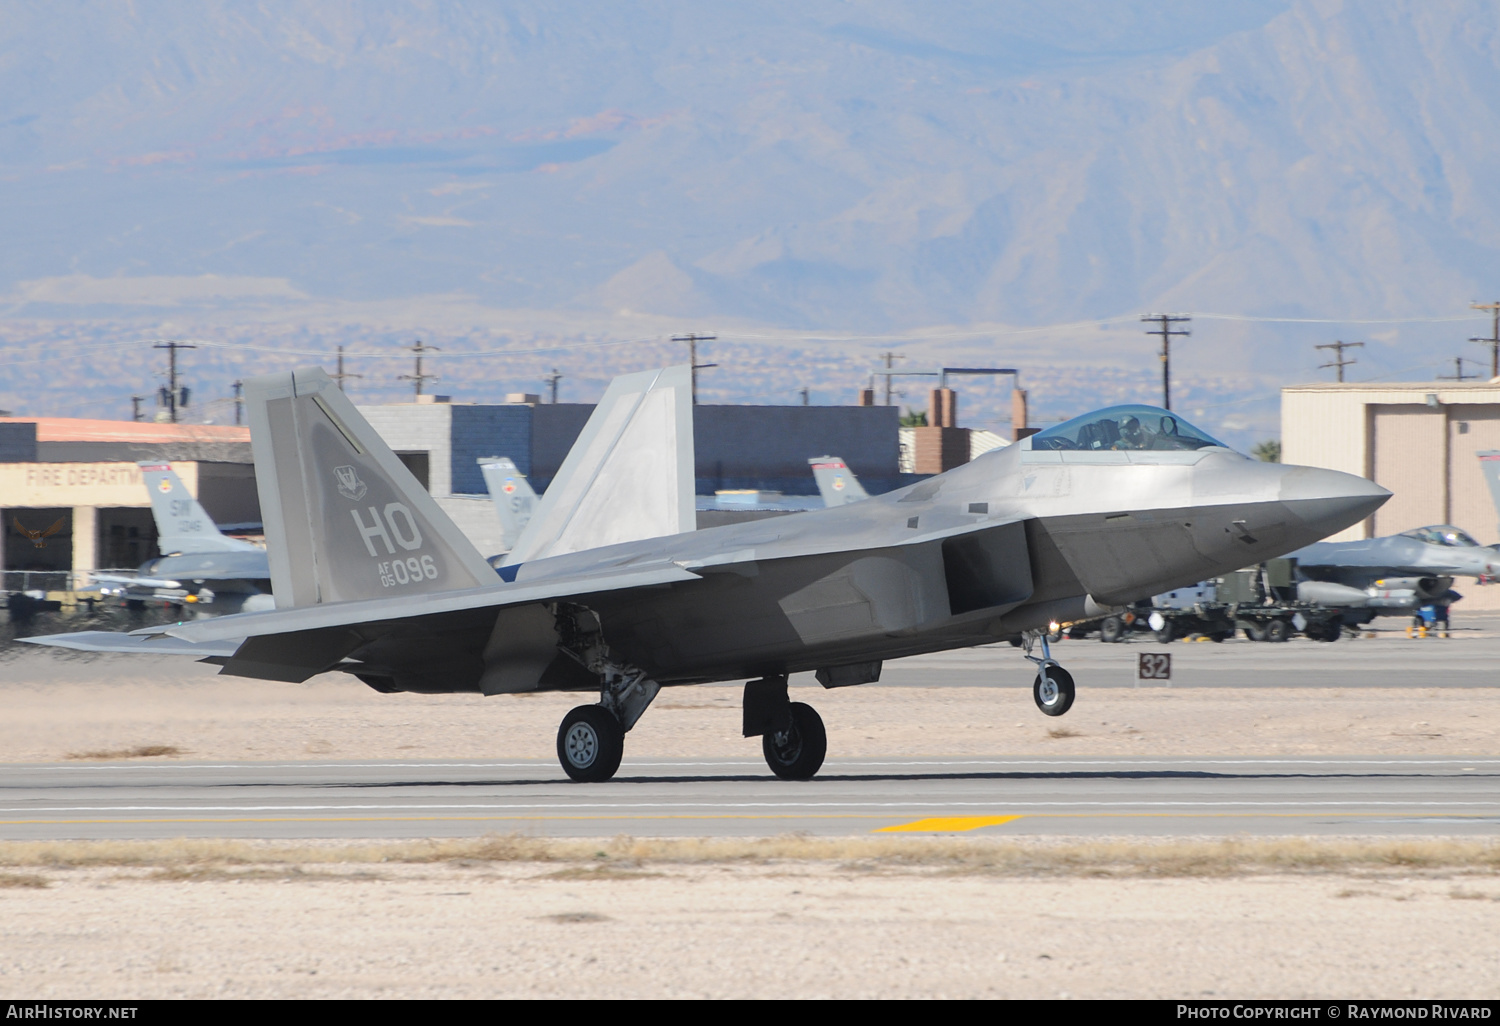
(1419, 439)
(81, 476)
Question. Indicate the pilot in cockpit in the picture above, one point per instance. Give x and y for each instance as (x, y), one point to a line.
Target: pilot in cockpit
(1132, 435)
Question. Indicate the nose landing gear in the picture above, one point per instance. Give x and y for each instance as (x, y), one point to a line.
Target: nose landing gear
(1053, 688)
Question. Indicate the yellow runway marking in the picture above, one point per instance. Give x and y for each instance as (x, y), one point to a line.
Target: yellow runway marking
(948, 824)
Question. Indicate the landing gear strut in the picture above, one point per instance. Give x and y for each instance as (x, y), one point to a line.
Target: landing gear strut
(1053, 688)
(792, 736)
(591, 740)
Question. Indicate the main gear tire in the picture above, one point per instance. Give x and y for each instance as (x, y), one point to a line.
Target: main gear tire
(1053, 690)
(797, 753)
(590, 744)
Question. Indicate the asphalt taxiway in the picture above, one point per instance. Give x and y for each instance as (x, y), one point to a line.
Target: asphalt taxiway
(735, 797)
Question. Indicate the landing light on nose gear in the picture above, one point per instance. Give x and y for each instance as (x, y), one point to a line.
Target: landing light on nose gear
(1053, 687)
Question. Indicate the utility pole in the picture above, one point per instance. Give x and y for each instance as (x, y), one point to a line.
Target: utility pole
(171, 395)
(804, 396)
(692, 340)
(135, 407)
(1494, 340)
(889, 358)
(339, 377)
(1166, 332)
(552, 380)
(417, 378)
(1338, 358)
(239, 399)
(1458, 371)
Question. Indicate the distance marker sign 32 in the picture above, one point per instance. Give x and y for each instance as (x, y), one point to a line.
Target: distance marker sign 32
(1153, 666)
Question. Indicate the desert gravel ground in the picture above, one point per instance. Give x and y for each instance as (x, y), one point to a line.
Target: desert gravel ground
(772, 929)
(733, 927)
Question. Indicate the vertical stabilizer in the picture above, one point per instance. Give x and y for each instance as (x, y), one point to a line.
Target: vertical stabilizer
(344, 520)
(836, 482)
(182, 524)
(1489, 463)
(514, 500)
(629, 476)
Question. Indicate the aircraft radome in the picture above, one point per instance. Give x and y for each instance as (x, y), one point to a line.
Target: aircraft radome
(610, 590)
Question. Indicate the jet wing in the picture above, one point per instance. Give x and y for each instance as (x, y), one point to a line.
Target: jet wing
(367, 611)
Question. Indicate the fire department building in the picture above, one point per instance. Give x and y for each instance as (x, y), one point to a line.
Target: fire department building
(71, 493)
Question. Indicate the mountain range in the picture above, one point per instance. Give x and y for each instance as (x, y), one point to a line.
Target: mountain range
(816, 182)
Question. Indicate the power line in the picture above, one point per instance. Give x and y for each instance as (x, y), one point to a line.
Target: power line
(1338, 359)
(1166, 332)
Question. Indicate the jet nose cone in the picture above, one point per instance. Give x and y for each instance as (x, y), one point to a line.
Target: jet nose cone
(1329, 500)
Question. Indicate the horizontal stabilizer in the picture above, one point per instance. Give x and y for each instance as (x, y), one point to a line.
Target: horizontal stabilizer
(141, 644)
(628, 477)
(382, 610)
(344, 519)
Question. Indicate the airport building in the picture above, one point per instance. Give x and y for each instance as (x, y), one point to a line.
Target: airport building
(1419, 439)
(72, 497)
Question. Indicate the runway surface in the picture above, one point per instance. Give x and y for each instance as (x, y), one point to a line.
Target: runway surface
(724, 797)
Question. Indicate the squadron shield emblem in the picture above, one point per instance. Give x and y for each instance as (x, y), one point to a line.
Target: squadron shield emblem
(350, 486)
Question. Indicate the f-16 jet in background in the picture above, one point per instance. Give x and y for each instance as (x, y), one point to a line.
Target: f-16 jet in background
(513, 497)
(610, 589)
(200, 565)
(836, 482)
(1394, 575)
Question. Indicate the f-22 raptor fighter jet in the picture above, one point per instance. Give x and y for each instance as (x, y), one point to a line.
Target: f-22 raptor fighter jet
(609, 588)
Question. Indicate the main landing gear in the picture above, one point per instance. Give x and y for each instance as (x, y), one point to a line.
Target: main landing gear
(591, 740)
(792, 737)
(1053, 688)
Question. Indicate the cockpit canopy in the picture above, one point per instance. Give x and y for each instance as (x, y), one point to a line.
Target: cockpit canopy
(1124, 428)
(1443, 534)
